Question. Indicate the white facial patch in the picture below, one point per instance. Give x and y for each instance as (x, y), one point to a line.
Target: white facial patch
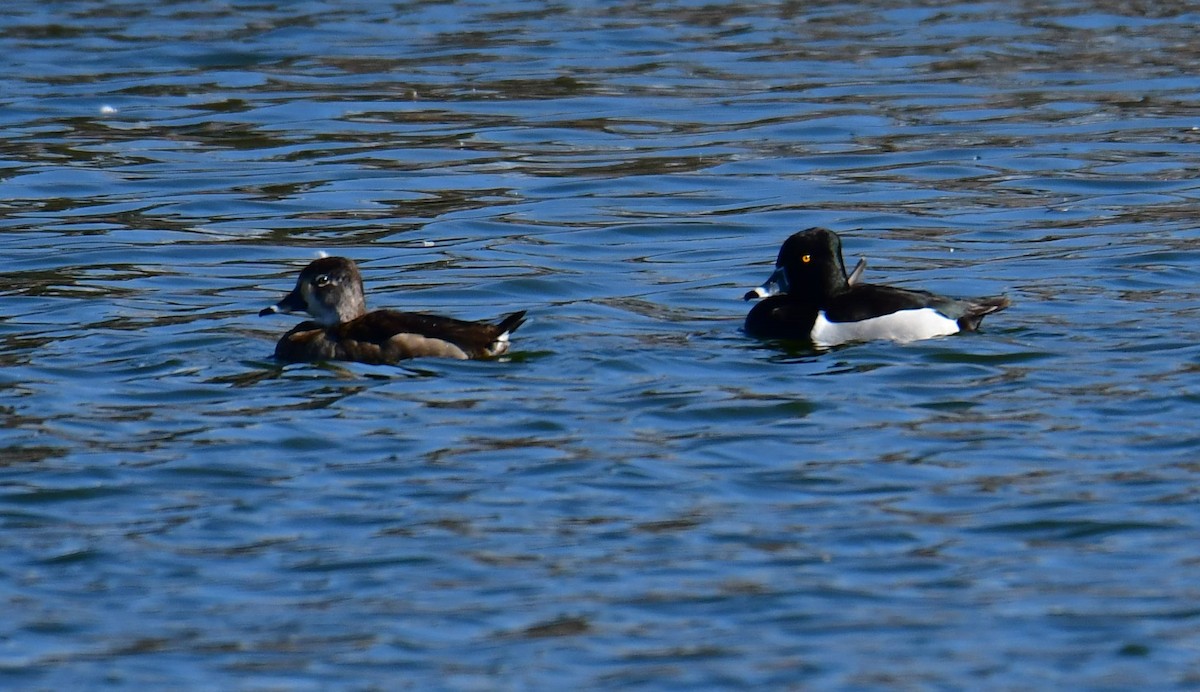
(902, 326)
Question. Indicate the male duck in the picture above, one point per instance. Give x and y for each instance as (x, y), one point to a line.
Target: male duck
(331, 290)
(810, 297)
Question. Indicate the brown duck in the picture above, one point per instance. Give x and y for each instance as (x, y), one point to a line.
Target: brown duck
(331, 290)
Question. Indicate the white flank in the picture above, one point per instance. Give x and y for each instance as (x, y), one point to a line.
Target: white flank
(500, 346)
(905, 325)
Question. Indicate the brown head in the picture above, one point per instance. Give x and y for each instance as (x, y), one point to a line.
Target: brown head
(330, 289)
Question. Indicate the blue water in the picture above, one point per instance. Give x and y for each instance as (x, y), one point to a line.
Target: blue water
(640, 496)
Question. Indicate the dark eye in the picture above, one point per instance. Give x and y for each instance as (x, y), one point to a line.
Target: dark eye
(322, 281)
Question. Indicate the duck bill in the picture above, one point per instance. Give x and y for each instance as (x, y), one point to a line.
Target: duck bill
(774, 285)
(292, 302)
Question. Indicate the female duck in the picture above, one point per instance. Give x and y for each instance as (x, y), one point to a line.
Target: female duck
(810, 297)
(331, 290)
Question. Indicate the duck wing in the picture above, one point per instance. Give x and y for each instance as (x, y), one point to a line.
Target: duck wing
(866, 301)
(390, 335)
(856, 275)
(970, 312)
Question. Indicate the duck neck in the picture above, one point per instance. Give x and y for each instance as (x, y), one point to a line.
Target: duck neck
(353, 307)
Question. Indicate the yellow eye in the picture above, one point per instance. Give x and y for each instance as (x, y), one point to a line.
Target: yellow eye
(806, 259)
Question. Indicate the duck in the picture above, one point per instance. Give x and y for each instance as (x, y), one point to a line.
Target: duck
(810, 297)
(330, 289)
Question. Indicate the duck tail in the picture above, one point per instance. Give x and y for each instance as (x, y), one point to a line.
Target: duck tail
(510, 323)
(978, 309)
(504, 327)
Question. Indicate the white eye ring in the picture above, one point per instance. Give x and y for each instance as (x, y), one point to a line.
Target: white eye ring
(322, 280)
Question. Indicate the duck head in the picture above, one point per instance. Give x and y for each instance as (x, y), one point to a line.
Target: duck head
(809, 263)
(330, 289)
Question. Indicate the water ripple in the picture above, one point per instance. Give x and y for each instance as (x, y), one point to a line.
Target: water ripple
(638, 487)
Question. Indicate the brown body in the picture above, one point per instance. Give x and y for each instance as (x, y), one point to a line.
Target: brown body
(330, 289)
(387, 336)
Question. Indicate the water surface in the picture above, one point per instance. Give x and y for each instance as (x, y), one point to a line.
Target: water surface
(640, 495)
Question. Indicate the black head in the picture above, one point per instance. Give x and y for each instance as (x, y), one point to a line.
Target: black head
(809, 264)
(330, 289)
(812, 262)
